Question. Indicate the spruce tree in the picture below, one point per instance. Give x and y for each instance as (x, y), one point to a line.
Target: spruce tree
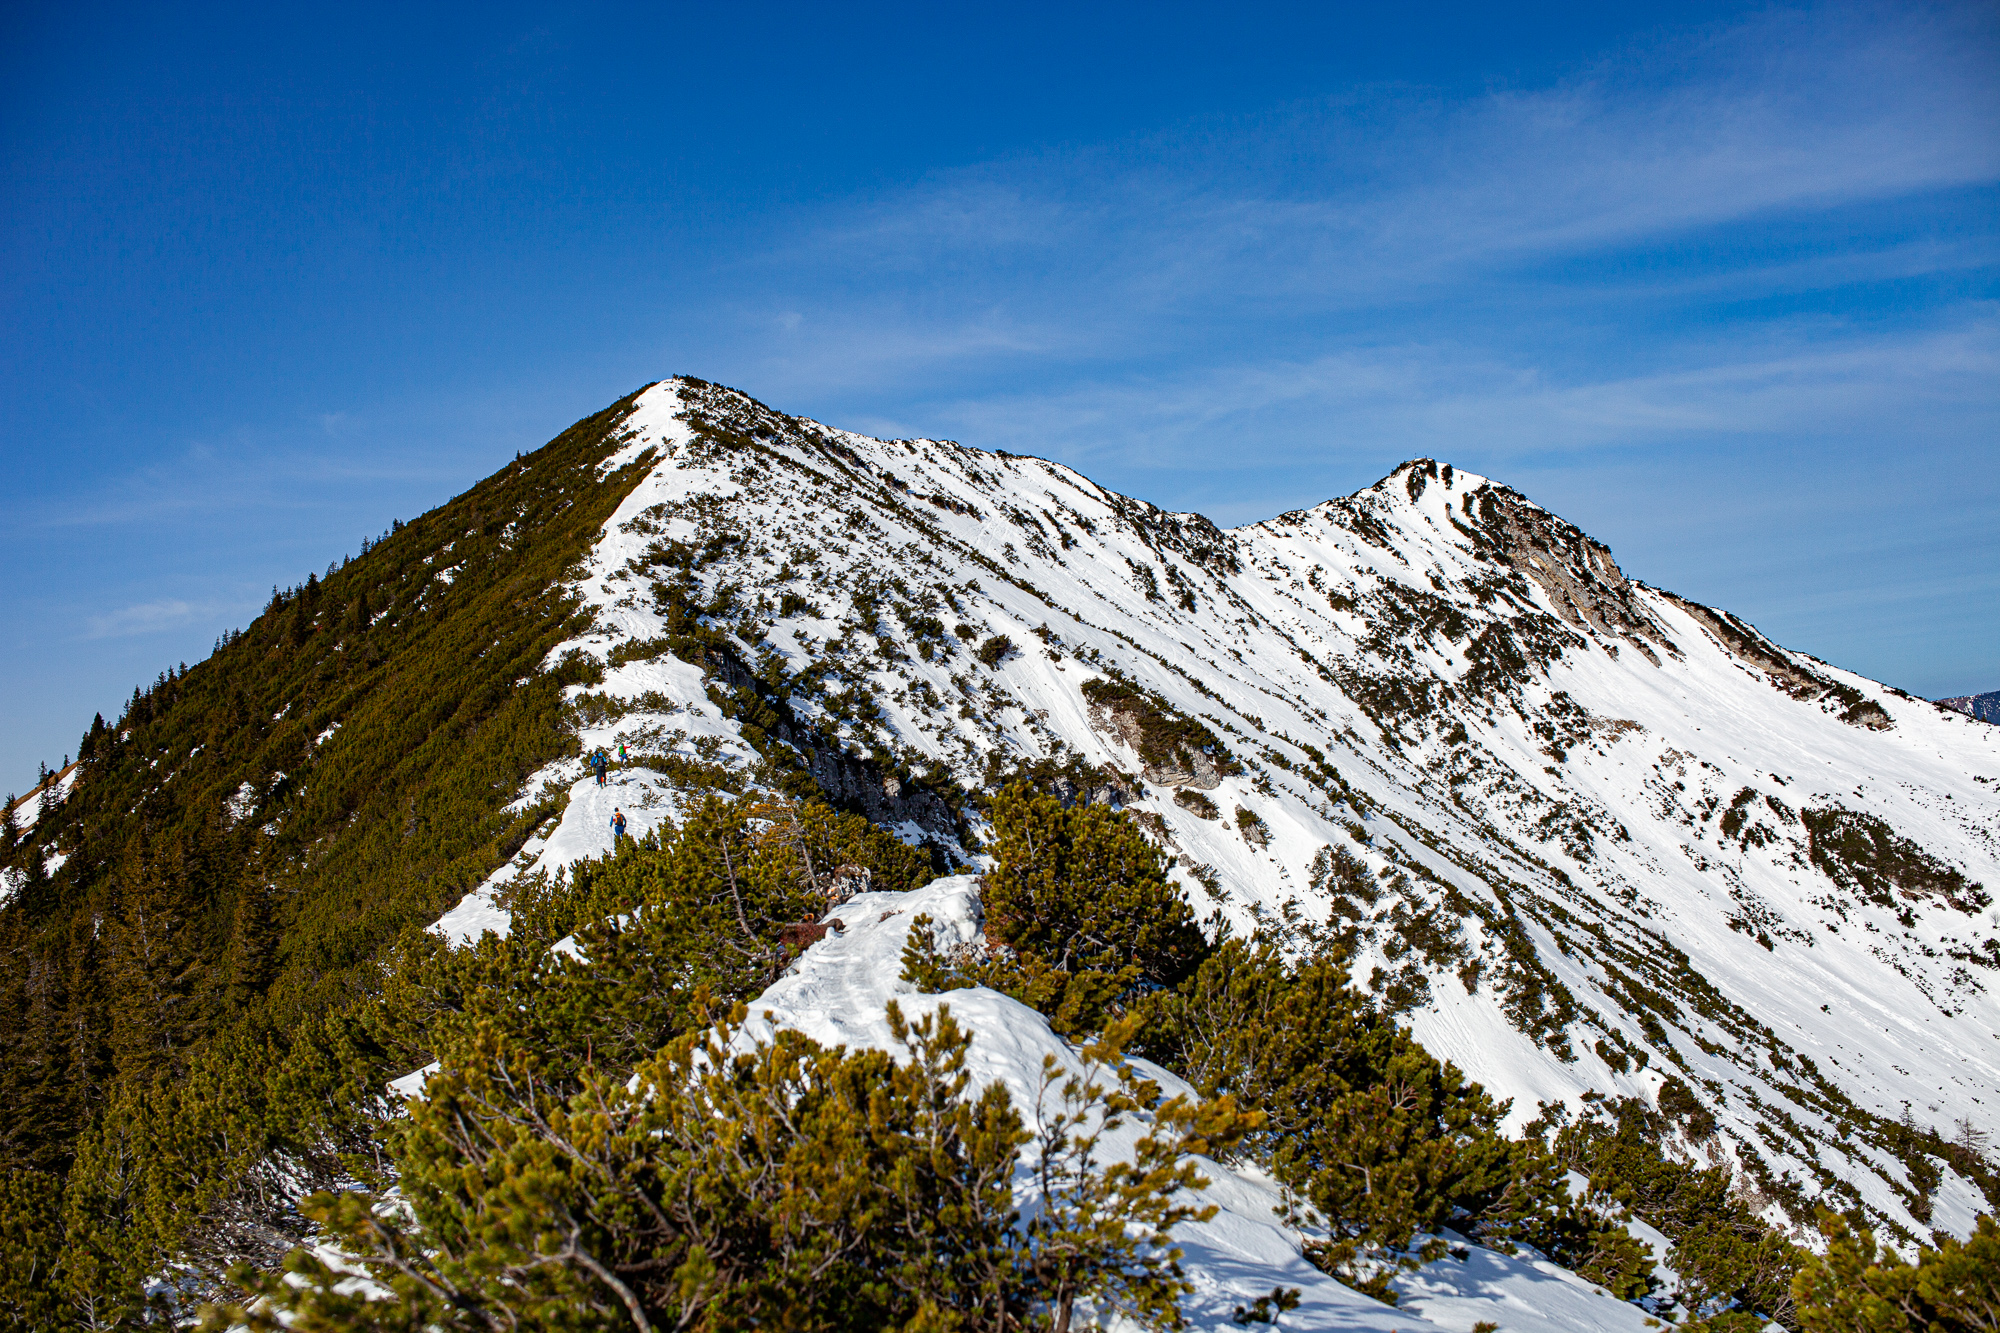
(34, 1064)
(86, 1053)
(153, 973)
(253, 946)
(91, 739)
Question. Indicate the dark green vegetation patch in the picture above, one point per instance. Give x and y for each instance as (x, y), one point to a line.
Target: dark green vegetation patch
(1864, 855)
(240, 848)
(1166, 737)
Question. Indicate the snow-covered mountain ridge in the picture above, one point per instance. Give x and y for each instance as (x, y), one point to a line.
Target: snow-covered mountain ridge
(1605, 837)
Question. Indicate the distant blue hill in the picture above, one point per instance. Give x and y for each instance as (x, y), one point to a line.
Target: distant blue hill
(1985, 707)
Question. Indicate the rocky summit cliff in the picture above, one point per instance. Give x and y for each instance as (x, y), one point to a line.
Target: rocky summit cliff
(1586, 838)
(1615, 840)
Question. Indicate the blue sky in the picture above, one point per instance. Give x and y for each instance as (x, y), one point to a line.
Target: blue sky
(1718, 282)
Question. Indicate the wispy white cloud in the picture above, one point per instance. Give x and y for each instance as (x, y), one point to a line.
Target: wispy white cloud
(1453, 401)
(1340, 221)
(1627, 273)
(145, 618)
(1727, 296)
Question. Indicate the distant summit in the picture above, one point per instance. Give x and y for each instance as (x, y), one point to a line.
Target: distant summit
(1985, 707)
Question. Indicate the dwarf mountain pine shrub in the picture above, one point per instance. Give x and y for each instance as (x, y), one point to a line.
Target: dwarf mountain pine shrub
(1856, 1288)
(1375, 1137)
(1196, 803)
(782, 1185)
(1081, 898)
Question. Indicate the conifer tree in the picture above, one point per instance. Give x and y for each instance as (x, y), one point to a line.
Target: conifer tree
(106, 1257)
(154, 974)
(30, 1241)
(17, 1075)
(91, 739)
(253, 945)
(34, 1069)
(85, 1020)
(304, 608)
(1732, 1269)
(716, 907)
(1372, 1132)
(776, 1184)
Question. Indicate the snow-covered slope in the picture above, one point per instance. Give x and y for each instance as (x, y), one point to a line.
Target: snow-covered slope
(1604, 836)
(25, 813)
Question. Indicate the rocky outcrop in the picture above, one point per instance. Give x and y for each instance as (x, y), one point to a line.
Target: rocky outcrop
(847, 781)
(1174, 749)
(1582, 581)
(857, 785)
(1188, 767)
(846, 881)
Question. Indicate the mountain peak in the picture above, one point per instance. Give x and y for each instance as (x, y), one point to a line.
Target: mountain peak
(1587, 784)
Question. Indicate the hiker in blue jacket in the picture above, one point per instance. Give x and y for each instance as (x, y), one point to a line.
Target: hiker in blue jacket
(599, 762)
